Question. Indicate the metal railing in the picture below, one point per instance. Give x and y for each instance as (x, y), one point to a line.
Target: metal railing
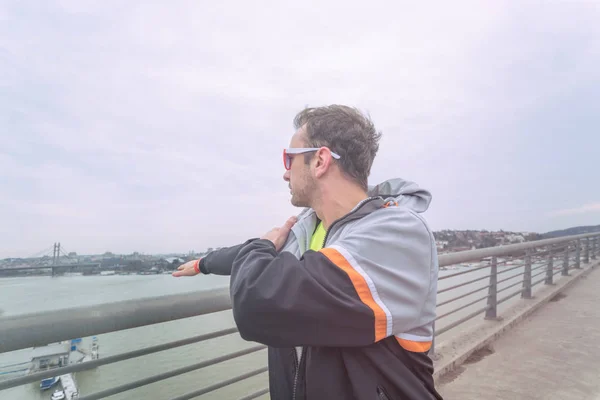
(474, 290)
(520, 267)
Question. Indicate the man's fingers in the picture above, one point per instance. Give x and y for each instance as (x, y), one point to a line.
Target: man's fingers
(289, 223)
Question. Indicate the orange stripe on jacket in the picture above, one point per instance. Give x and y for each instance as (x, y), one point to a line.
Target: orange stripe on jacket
(360, 284)
(415, 347)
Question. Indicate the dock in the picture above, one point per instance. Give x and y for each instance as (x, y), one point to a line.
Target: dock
(69, 387)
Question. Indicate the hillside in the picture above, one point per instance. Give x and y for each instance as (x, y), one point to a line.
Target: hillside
(577, 230)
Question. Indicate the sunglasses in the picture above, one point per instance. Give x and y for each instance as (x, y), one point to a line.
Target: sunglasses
(288, 153)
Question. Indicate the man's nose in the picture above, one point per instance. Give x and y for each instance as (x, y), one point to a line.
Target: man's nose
(286, 176)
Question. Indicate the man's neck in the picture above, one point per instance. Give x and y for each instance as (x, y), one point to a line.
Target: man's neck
(334, 205)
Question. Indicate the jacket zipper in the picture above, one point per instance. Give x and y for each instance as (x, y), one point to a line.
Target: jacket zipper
(365, 201)
(382, 394)
(297, 372)
(297, 365)
(297, 362)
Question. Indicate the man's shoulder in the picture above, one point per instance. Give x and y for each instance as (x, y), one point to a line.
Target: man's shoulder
(387, 235)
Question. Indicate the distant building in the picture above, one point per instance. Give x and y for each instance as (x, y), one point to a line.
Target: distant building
(51, 356)
(515, 238)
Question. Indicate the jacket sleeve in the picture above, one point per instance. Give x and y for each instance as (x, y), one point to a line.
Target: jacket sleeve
(219, 262)
(365, 287)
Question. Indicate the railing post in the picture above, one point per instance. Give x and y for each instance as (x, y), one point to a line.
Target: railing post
(526, 293)
(565, 268)
(578, 255)
(594, 240)
(550, 269)
(587, 251)
(432, 349)
(492, 300)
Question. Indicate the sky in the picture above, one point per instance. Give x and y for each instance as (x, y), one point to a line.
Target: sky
(158, 127)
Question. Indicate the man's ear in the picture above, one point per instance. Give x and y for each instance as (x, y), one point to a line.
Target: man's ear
(322, 162)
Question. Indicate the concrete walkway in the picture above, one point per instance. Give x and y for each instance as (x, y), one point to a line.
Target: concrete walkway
(553, 355)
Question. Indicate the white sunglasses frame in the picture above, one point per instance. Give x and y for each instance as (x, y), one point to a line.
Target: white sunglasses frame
(302, 150)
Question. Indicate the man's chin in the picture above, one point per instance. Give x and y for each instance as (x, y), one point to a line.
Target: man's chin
(296, 202)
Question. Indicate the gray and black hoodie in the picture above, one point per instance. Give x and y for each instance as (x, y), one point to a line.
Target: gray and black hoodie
(353, 320)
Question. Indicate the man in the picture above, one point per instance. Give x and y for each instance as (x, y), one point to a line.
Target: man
(346, 302)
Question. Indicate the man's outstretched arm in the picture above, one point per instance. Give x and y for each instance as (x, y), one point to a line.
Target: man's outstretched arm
(217, 262)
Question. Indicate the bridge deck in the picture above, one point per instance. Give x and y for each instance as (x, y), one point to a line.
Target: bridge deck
(553, 355)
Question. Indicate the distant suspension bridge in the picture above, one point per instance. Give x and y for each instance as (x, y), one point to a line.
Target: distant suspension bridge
(58, 265)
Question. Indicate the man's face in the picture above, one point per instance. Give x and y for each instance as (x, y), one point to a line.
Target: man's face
(301, 183)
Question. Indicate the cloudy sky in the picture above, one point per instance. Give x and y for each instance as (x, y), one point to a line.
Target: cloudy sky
(156, 126)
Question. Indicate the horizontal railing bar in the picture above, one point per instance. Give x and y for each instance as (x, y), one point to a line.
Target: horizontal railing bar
(511, 269)
(463, 284)
(461, 296)
(84, 366)
(510, 295)
(221, 384)
(39, 329)
(170, 374)
(460, 321)
(462, 272)
(255, 394)
(510, 286)
(539, 267)
(461, 307)
(486, 266)
(510, 277)
(472, 255)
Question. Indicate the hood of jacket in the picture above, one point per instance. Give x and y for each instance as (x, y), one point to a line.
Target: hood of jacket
(406, 193)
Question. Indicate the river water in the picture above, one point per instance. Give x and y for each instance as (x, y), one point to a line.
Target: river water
(34, 294)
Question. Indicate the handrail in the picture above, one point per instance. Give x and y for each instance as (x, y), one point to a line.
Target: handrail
(37, 376)
(37, 329)
(472, 255)
(169, 374)
(26, 331)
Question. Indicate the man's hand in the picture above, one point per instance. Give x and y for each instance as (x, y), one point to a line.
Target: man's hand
(279, 235)
(187, 269)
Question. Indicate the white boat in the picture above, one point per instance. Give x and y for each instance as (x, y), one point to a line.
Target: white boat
(58, 395)
(69, 386)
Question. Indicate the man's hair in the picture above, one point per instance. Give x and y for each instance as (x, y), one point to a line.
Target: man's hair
(345, 131)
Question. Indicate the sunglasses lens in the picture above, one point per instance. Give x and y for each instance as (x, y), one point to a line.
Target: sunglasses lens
(286, 160)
